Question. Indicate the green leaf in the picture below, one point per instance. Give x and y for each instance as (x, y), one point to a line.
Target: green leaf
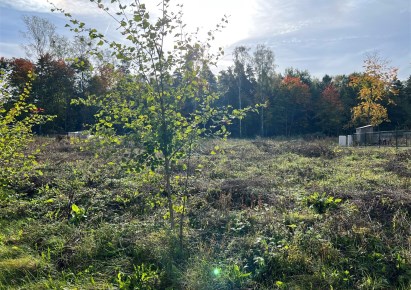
(75, 209)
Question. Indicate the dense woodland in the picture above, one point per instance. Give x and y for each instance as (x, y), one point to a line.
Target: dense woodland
(296, 103)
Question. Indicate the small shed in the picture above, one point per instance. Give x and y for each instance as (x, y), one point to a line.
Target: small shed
(364, 134)
(364, 129)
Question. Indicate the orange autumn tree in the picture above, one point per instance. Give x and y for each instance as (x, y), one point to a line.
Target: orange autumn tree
(374, 85)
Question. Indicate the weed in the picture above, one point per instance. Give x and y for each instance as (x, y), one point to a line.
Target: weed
(321, 203)
(143, 277)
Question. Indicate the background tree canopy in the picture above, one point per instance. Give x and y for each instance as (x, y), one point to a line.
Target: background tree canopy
(332, 105)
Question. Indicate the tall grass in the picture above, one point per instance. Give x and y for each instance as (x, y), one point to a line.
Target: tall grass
(262, 214)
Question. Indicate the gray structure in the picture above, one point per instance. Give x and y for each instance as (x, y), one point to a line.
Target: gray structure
(362, 133)
(366, 136)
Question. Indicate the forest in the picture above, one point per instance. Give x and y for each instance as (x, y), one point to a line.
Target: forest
(191, 179)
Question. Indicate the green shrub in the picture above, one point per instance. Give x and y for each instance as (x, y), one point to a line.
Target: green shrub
(17, 118)
(322, 202)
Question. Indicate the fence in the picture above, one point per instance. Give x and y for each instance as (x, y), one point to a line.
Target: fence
(383, 138)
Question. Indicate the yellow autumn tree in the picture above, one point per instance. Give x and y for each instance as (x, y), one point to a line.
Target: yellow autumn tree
(374, 85)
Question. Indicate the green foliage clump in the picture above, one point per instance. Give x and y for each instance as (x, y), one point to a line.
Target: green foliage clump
(77, 214)
(143, 277)
(17, 118)
(322, 202)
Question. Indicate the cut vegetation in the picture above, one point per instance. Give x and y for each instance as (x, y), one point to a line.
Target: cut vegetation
(261, 214)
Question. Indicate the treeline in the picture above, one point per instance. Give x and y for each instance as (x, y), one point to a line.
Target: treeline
(56, 83)
(299, 104)
(293, 102)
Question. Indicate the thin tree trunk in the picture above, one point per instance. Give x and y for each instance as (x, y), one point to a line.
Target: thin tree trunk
(167, 178)
(185, 196)
(262, 121)
(286, 122)
(239, 103)
(181, 234)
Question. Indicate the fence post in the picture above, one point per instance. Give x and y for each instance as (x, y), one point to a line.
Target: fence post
(379, 138)
(396, 139)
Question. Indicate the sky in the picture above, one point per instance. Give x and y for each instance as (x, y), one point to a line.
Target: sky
(322, 36)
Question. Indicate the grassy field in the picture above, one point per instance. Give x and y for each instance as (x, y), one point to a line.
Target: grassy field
(262, 214)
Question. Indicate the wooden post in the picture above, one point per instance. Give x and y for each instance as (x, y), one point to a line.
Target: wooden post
(379, 138)
(396, 139)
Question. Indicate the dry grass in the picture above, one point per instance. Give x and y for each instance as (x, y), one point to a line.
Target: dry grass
(264, 212)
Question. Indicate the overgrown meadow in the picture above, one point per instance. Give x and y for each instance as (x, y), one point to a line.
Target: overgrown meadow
(259, 214)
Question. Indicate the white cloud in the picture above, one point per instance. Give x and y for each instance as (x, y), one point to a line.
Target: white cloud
(197, 13)
(44, 6)
(323, 36)
(27, 5)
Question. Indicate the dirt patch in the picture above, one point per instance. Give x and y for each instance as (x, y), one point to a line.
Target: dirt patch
(398, 164)
(311, 150)
(383, 205)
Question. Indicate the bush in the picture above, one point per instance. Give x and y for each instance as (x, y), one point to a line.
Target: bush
(321, 202)
(17, 118)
